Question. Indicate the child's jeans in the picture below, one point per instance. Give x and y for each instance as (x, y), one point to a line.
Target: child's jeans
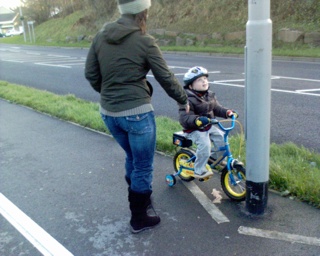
(203, 141)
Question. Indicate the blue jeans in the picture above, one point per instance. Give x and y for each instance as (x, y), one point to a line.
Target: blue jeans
(203, 141)
(137, 136)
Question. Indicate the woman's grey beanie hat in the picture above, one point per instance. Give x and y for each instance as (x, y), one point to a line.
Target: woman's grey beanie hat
(133, 6)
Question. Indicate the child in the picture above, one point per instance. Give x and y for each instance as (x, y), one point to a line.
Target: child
(196, 124)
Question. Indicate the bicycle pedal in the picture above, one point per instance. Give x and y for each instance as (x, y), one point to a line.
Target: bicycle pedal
(205, 179)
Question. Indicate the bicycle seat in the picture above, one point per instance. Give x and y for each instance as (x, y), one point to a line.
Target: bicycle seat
(179, 139)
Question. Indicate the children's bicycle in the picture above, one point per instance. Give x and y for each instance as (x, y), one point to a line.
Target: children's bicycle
(233, 173)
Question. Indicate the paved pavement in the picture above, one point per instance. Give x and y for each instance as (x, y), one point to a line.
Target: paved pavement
(62, 192)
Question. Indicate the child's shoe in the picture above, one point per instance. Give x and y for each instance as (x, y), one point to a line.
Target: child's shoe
(203, 175)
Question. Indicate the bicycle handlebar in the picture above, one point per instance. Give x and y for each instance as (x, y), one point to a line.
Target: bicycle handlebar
(233, 121)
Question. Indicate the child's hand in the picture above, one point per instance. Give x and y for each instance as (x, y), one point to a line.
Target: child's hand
(231, 113)
(202, 121)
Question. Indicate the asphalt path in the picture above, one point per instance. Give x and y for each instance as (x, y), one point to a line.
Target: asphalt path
(295, 85)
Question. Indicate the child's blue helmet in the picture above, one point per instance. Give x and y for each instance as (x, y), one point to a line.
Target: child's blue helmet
(193, 74)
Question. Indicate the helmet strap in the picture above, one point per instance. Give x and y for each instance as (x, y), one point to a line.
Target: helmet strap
(199, 93)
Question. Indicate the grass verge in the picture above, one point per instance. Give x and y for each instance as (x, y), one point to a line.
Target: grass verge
(294, 170)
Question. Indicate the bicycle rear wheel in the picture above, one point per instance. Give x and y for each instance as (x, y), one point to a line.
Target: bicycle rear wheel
(181, 158)
(233, 183)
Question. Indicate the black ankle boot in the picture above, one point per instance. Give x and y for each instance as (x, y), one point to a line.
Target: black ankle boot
(140, 220)
(128, 180)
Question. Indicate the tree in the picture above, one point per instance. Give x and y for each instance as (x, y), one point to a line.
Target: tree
(42, 10)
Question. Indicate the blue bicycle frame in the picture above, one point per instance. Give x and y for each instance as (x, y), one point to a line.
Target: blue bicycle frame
(225, 148)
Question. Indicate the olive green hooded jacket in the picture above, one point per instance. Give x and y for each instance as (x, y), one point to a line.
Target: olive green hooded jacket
(118, 62)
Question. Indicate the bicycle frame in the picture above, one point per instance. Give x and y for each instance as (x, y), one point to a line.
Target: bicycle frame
(226, 148)
(232, 173)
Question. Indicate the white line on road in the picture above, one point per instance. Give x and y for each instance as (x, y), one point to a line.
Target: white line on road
(76, 63)
(16, 61)
(59, 60)
(300, 79)
(232, 85)
(172, 67)
(40, 239)
(215, 213)
(34, 53)
(51, 65)
(279, 236)
(296, 92)
(32, 58)
(230, 81)
(60, 56)
(309, 90)
(300, 92)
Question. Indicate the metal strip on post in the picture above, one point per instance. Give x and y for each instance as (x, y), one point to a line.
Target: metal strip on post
(31, 31)
(22, 21)
(258, 104)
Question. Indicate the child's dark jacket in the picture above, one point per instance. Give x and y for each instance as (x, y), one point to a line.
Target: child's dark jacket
(206, 105)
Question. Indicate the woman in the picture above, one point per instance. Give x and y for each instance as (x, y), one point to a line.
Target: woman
(118, 61)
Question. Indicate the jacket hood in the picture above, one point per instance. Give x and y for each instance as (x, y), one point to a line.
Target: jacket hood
(117, 32)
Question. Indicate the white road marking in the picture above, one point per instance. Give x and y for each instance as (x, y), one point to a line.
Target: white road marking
(296, 92)
(223, 83)
(214, 211)
(300, 79)
(64, 60)
(33, 59)
(51, 65)
(308, 90)
(301, 92)
(171, 67)
(38, 237)
(16, 61)
(34, 53)
(60, 56)
(75, 63)
(279, 236)
(52, 60)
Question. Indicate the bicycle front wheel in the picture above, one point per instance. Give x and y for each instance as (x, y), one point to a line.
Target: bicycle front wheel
(233, 183)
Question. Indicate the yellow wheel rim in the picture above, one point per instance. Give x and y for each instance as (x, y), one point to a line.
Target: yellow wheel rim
(240, 186)
(182, 160)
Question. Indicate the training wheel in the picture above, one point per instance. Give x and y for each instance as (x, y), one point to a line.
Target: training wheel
(170, 180)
